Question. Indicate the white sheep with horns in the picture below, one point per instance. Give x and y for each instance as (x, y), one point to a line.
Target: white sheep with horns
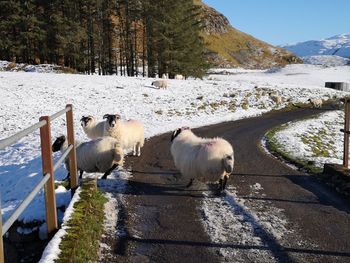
(316, 103)
(204, 159)
(102, 155)
(92, 129)
(130, 134)
(160, 84)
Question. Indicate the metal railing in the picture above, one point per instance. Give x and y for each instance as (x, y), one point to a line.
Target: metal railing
(48, 168)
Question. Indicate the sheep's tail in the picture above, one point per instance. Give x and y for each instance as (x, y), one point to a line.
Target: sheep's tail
(118, 154)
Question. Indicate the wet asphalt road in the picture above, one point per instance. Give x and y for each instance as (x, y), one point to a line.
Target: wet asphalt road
(162, 220)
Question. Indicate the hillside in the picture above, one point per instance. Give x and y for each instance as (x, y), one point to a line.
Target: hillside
(230, 47)
(337, 45)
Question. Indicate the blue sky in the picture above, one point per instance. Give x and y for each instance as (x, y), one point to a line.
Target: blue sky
(286, 21)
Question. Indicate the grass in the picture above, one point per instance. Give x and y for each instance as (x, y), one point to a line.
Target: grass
(237, 47)
(81, 243)
(276, 148)
(245, 104)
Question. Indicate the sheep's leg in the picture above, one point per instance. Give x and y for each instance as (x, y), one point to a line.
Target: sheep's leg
(222, 185)
(190, 183)
(138, 147)
(81, 174)
(225, 181)
(108, 172)
(134, 150)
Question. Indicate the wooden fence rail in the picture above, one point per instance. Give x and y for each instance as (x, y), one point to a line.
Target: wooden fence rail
(48, 180)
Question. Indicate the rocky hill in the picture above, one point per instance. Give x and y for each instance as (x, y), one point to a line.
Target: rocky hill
(230, 47)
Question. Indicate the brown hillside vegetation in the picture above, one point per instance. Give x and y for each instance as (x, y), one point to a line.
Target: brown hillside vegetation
(230, 47)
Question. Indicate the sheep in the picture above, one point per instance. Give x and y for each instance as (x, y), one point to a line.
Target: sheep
(206, 159)
(92, 129)
(129, 133)
(102, 155)
(160, 84)
(316, 103)
(276, 98)
(179, 77)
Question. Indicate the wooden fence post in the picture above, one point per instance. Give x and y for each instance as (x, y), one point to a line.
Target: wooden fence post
(47, 164)
(72, 154)
(346, 134)
(1, 238)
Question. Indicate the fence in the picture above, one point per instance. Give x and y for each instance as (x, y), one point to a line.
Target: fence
(346, 132)
(48, 180)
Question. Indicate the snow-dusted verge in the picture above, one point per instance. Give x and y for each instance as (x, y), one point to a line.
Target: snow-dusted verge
(114, 187)
(26, 96)
(238, 226)
(315, 141)
(52, 250)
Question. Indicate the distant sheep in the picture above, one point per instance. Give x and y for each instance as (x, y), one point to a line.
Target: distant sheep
(92, 129)
(212, 78)
(161, 84)
(102, 155)
(130, 134)
(316, 103)
(199, 158)
(179, 77)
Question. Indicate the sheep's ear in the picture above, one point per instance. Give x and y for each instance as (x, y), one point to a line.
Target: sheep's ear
(175, 134)
(82, 118)
(105, 116)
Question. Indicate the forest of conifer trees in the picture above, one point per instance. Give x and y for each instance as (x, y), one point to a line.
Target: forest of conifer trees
(124, 37)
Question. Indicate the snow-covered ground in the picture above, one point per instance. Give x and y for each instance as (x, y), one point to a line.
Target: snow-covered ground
(326, 60)
(244, 223)
(236, 94)
(317, 141)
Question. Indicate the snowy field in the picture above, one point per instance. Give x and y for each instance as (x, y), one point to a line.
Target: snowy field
(317, 141)
(235, 94)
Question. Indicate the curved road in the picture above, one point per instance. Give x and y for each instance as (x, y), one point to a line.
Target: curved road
(162, 220)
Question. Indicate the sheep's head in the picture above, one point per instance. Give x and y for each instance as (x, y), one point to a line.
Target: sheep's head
(228, 163)
(177, 132)
(87, 121)
(59, 143)
(112, 119)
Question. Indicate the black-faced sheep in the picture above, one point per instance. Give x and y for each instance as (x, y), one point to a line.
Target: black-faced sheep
(92, 129)
(205, 159)
(160, 84)
(130, 134)
(102, 155)
(316, 103)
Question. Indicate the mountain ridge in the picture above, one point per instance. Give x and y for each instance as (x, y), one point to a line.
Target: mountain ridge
(338, 45)
(229, 47)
